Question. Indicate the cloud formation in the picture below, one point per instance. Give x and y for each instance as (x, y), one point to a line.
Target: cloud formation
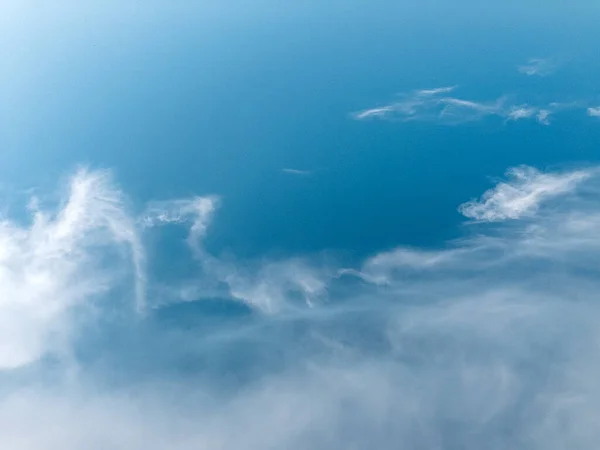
(297, 172)
(594, 112)
(490, 341)
(59, 264)
(436, 106)
(529, 112)
(521, 195)
(541, 67)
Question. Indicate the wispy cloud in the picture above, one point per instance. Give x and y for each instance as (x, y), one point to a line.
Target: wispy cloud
(594, 112)
(409, 105)
(260, 285)
(455, 110)
(521, 194)
(374, 112)
(297, 172)
(487, 342)
(529, 112)
(435, 91)
(435, 106)
(431, 104)
(541, 67)
(61, 264)
(196, 211)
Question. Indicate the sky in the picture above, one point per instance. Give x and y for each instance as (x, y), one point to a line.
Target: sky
(245, 224)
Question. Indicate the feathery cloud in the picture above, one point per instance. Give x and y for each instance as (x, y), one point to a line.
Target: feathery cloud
(61, 263)
(521, 195)
(541, 67)
(297, 172)
(434, 105)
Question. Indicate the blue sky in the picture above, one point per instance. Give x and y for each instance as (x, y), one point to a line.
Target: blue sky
(253, 225)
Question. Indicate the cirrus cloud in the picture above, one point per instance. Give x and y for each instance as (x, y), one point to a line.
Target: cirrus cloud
(434, 105)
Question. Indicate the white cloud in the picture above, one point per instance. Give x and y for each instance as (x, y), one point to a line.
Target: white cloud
(594, 112)
(542, 116)
(521, 195)
(521, 112)
(488, 342)
(263, 285)
(197, 210)
(530, 112)
(374, 112)
(455, 110)
(297, 172)
(435, 91)
(432, 105)
(269, 287)
(60, 263)
(541, 67)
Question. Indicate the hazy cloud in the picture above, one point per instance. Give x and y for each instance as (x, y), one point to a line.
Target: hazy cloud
(594, 112)
(490, 341)
(541, 67)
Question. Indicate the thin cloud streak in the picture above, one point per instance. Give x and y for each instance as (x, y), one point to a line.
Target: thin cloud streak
(297, 172)
(433, 105)
(521, 194)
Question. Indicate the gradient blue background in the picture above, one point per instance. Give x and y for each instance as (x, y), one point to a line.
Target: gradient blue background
(476, 347)
(219, 97)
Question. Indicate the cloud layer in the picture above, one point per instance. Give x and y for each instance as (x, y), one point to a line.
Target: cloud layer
(489, 342)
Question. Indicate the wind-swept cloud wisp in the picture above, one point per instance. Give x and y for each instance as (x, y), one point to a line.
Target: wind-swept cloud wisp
(297, 172)
(436, 105)
(541, 67)
(522, 194)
